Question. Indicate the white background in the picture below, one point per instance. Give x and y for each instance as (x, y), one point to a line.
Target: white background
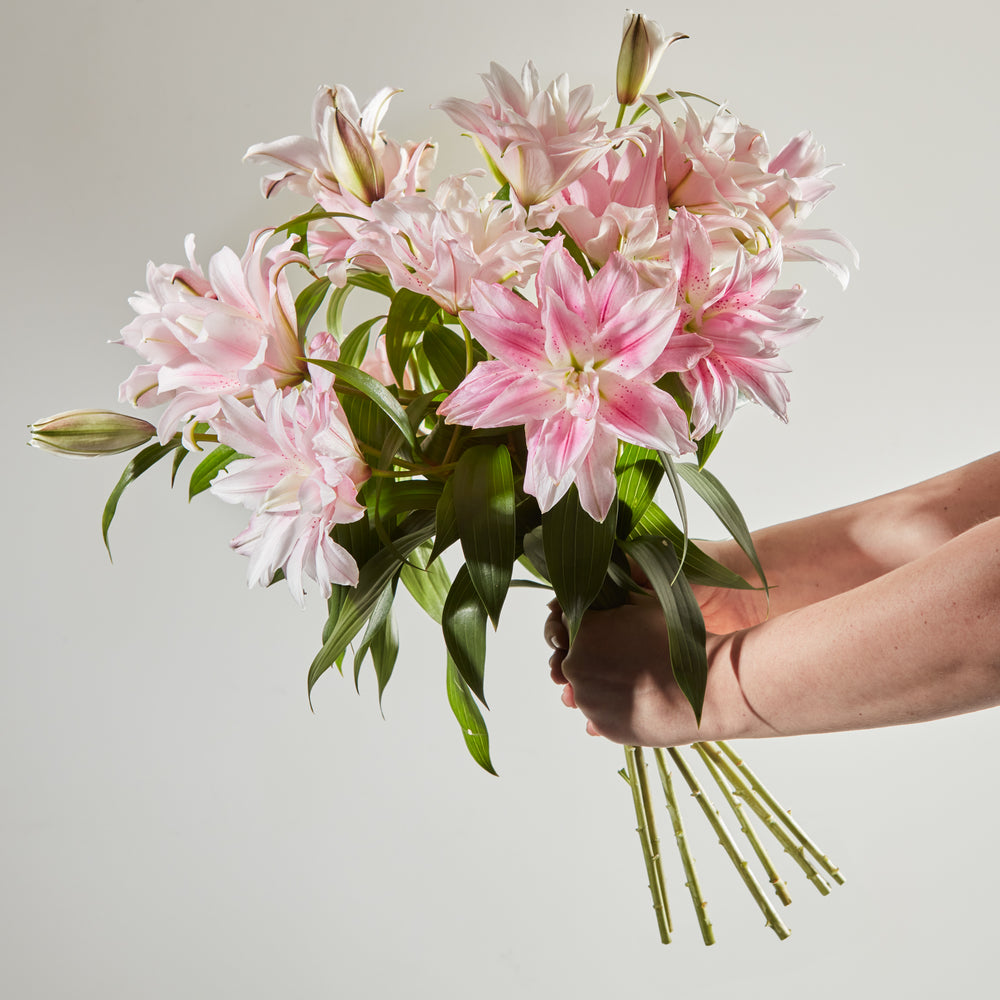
(173, 819)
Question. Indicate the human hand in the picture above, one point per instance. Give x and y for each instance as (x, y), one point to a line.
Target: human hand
(618, 675)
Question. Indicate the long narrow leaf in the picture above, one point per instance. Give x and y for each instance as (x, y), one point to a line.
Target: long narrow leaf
(375, 622)
(484, 510)
(445, 520)
(409, 315)
(141, 463)
(428, 582)
(307, 303)
(724, 507)
(671, 470)
(639, 472)
(385, 651)
(376, 392)
(577, 553)
(376, 574)
(469, 717)
(685, 625)
(464, 626)
(209, 467)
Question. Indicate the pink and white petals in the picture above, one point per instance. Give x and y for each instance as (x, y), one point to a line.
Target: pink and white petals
(577, 370)
(301, 479)
(208, 338)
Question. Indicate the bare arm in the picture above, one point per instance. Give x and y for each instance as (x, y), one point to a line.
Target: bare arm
(816, 557)
(919, 642)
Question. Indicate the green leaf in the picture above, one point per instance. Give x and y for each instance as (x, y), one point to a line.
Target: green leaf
(307, 303)
(484, 510)
(141, 463)
(375, 391)
(209, 467)
(671, 470)
(428, 582)
(724, 507)
(380, 283)
(357, 605)
(354, 346)
(385, 652)
(685, 626)
(639, 473)
(469, 717)
(707, 445)
(464, 626)
(379, 614)
(445, 520)
(445, 351)
(577, 553)
(335, 313)
(179, 457)
(409, 315)
(403, 496)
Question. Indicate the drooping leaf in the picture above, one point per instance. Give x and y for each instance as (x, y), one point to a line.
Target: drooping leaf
(141, 463)
(375, 391)
(685, 625)
(671, 471)
(484, 510)
(469, 717)
(209, 467)
(385, 652)
(179, 455)
(354, 609)
(377, 618)
(409, 315)
(724, 507)
(464, 626)
(307, 304)
(445, 520)
(428, 582)
(577, 553)
(639, 473)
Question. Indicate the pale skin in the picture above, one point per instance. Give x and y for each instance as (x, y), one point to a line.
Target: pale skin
(881, 613)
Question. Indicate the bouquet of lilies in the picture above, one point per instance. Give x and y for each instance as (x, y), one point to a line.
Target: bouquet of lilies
(534, 363)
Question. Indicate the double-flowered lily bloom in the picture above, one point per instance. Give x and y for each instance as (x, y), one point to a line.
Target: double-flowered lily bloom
(536, 140)
(207, 337)
(578, 370)
(301, 479)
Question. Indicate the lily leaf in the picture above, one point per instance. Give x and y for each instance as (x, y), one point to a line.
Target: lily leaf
(445, 520)
(428, 582)
(209, 467)
(445, 351)
(639, 473)
(484, 511)
(383, 606)
(685, 626)
(356, 607)
(577, 553)
(464, 626)
(724, 507)
(307, 303)
(375, 391)
(141, 463)
(469, 717)
(409, 315)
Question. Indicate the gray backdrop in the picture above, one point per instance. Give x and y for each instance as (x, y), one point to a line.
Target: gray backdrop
(174, 820)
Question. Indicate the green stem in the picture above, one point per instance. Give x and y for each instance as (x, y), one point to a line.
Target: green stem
(692, 877)
(621, 116)
(728, 844)
(636, 766)
(824, 862)
(745, 826)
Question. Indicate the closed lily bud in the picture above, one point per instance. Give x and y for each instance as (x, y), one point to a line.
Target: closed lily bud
(87, 433)
(643, 43)
(355, 164)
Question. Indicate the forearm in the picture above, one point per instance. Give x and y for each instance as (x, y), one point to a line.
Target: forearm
(816, 557)
(917, 643)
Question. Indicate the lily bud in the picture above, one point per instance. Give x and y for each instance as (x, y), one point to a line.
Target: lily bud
(87, 433)
(643, 43)
(355, 164)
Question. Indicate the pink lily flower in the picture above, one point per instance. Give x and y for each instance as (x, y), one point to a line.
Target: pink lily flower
(438, 247)
(578, 371)
(301, 479)
(208, 338)
(744, 319)
(536, 140)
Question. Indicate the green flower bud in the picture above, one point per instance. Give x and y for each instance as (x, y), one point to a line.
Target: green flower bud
(86, 433)
(643, 43)
(356, 166)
